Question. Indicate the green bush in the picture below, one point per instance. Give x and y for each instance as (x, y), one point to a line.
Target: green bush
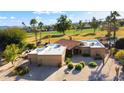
(86, 55)
(69, 55)
(78, 66)
(70, 66)
(113, 51)
(22, 46)
(30, 46)
(60, 65)
(83, 64)
(92, 64)
(11, 53)
(68, 60)
(11, 36)
(119, 55)
(21, 70)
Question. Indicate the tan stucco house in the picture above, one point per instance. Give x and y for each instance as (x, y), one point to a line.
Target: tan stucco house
(54, 54)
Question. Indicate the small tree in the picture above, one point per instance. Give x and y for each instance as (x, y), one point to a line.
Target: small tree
(94, 24)
(11, 53)
(63, 24)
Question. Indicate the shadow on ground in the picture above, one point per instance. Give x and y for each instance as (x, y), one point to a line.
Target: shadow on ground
(97, 75)
(36, 73)
(76, 71)
(89, 34)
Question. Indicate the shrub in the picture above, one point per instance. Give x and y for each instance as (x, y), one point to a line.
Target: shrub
(11, 36)
(30, 46)
(119, 54)
(92, 64)
(11, 53)
(78, 66)
(69, 55)
(120, 43)
(70, 66)
(21, 70)
(60, 65)
(68, 60)
(86, 55)
(83, 64)
(113, 51)
(22, 46)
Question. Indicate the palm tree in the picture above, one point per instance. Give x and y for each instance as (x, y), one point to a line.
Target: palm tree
(114, 20)
(108, 21)
(40, 25)
(24, 26)
(33, 23)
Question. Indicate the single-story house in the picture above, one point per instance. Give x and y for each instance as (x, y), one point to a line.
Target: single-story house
(54, 54)
(51, 54)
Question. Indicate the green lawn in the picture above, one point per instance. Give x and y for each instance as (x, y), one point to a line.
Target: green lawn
(68, 32)
(77, 35)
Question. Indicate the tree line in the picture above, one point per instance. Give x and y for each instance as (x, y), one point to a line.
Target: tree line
(111, 24)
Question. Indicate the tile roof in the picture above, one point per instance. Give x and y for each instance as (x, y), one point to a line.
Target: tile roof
(69, 44)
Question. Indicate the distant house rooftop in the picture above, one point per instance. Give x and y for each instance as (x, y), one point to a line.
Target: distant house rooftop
(87, 25)
(69, 44)
(50, 49)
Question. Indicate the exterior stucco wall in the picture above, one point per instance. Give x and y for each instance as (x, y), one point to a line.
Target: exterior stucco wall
(100, 51)
(32, 57)
(93, 51)
(85, 50)
(49, 60)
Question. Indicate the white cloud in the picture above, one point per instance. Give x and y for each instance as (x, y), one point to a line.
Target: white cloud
(3, 17)
(38, 18)
(12, 17)
(89, 12)
(48, 12)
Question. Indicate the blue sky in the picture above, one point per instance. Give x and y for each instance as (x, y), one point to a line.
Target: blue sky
(15, 18)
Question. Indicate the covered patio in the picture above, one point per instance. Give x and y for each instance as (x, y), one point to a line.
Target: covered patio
(71, 46)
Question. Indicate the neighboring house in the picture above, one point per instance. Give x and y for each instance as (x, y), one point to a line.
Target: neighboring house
(52, 54)
(87, 26)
